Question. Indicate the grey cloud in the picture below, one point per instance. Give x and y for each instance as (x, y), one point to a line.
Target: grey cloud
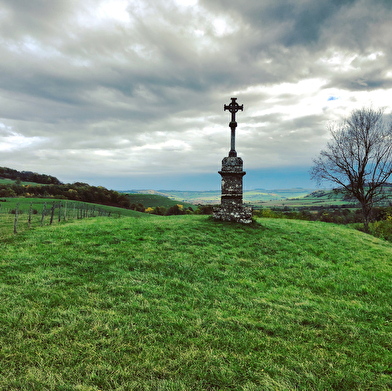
(307, 122)
(305, 23)
(360, 83)
(164, 76)
(272, 118)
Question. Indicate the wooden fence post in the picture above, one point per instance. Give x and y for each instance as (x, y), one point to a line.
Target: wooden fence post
(65, 210)
(52, 214)
(30, 211)
(16, 218)
(43, 214)
(59, 211)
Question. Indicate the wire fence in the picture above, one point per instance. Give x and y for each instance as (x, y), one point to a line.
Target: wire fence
(21, 216)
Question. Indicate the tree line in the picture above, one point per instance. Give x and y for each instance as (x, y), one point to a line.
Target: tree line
(28, 176)
(77, 191)
(173, 210)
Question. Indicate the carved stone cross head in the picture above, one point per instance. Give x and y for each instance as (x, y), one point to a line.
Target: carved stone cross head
(233, 107)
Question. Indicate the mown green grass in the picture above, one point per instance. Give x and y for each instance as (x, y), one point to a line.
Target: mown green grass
(186, 303)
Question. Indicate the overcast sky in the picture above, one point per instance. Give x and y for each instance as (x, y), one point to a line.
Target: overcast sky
(129, 94)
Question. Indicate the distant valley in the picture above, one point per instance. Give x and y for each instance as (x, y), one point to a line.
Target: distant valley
(213, 196)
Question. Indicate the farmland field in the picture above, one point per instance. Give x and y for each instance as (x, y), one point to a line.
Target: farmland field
(213, 196)
(5, 181)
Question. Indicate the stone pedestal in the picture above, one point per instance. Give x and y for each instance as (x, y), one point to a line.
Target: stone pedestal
(231, 208)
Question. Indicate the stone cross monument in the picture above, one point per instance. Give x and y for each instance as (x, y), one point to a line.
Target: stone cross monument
(233, 107)
(231, 208)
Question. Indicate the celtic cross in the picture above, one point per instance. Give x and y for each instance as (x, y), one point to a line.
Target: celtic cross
(233, 107)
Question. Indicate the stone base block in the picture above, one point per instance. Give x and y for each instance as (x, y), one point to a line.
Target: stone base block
(238, 214)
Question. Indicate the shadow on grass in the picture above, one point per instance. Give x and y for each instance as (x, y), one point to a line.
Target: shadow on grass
(254, 224)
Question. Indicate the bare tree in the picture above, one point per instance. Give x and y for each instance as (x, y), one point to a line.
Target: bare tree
(358, 159)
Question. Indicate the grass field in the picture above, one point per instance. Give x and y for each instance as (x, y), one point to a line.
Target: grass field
(38, 203)
(186, 303)
(68, 209)
(315, 200)
(6, 181)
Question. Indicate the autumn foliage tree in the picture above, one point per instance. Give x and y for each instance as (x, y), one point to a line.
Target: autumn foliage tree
(358, 159)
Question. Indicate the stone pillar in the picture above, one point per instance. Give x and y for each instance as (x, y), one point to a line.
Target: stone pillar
(231, 208)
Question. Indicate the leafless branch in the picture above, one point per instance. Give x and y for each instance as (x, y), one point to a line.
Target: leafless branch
(358, 158)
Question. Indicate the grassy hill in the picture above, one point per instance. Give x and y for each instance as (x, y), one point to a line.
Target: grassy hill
(69, 211)
(186, 303)
(154, 200)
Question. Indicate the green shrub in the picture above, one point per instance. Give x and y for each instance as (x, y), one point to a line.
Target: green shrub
(382, 229)
(204, 210)
(13, 211)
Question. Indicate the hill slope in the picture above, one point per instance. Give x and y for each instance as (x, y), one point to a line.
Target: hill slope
(183, 302)
(154, 200)
(27, 176)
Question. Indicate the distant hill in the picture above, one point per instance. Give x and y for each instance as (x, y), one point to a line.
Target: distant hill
(213, 196)
(296, 198)
(28, 176)
(15, 183)
(149, 200)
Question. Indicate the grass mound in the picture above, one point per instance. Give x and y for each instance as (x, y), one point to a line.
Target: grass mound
(186, 303)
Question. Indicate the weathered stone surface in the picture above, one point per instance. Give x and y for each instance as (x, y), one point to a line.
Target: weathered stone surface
(240, 214)
(232, 174)
(232, 164)
(231, 208)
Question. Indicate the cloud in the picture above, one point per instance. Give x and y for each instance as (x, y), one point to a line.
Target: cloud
(138, 87)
